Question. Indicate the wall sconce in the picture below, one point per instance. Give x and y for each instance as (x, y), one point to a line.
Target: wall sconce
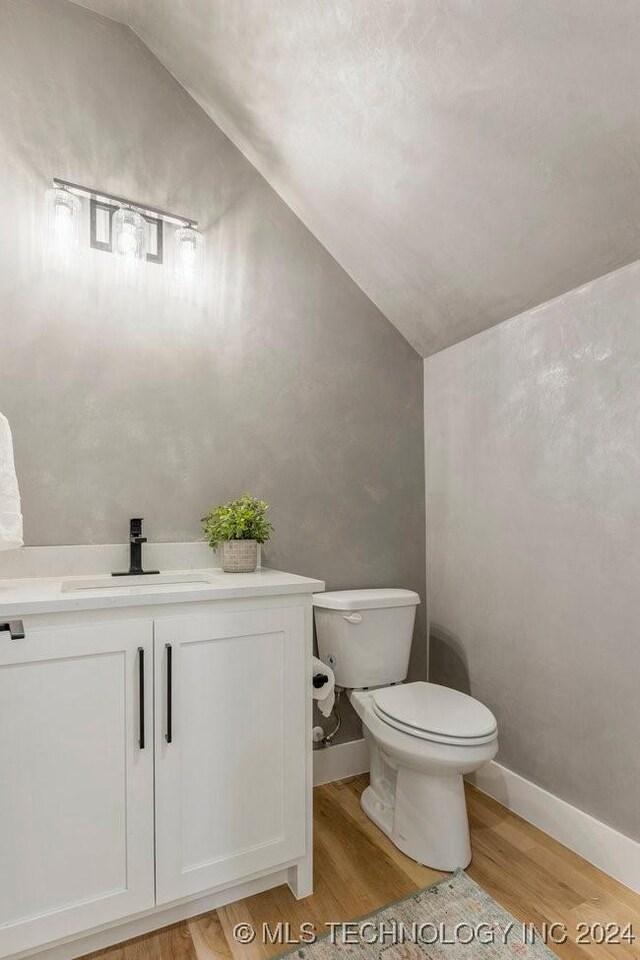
(132, 230)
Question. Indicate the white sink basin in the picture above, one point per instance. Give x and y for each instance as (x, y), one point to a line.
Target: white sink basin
(147, 580)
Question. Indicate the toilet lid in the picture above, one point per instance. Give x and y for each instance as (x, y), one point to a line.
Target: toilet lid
(428, 708)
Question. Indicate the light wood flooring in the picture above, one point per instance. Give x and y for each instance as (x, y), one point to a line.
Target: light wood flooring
(358, 870)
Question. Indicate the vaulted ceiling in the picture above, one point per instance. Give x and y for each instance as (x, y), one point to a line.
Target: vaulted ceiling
(461, 160)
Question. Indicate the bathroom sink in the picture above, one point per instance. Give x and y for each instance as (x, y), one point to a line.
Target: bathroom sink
(149, 580)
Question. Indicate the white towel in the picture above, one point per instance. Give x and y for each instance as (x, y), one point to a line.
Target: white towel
(325, 695)
(10, 515)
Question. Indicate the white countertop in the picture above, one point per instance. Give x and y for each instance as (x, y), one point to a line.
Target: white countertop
(18, 598)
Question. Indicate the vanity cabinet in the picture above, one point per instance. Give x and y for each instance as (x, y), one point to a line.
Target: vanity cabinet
(155, 762)
(230, 747)
(76, 789)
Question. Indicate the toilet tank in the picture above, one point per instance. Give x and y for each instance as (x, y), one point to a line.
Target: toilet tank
(365, 635)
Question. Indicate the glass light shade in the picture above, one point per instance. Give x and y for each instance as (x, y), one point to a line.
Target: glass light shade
(188, 254)
(129, 233)
(64, 212)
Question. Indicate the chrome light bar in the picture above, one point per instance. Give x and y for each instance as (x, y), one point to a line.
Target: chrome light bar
(102, 197)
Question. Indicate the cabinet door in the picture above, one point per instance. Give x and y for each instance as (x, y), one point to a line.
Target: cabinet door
(76, 789)
(230, 747)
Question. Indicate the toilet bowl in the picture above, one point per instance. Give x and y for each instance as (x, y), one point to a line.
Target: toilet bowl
(416, 794)
(423, 738)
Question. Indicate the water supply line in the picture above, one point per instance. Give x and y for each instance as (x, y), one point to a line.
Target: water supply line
(327, 738)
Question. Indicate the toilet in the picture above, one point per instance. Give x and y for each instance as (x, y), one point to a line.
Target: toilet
(423, 738)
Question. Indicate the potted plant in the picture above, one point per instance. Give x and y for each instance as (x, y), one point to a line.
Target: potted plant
(237, 527)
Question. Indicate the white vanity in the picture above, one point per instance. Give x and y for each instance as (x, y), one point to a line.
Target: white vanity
(155, 753)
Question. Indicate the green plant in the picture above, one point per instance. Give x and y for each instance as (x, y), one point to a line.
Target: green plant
(241, 519)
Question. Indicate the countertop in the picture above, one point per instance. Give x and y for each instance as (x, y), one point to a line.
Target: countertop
(18, 598)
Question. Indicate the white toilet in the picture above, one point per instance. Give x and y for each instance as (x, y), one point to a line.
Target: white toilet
(422, 737)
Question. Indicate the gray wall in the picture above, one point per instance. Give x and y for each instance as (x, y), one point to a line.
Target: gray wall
(533, 519)
(283, 380)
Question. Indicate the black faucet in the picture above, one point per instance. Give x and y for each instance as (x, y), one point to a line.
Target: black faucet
(135, 551)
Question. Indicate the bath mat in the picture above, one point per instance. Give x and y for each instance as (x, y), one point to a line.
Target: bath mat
(453, 920)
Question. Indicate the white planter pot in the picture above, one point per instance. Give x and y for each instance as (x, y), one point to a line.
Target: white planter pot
(239, 556)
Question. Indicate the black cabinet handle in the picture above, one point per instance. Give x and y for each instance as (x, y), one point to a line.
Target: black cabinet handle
(169, 734)
(15, 628)
(141, 697)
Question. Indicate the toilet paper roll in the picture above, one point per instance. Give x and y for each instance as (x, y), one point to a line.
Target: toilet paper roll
(325, 695)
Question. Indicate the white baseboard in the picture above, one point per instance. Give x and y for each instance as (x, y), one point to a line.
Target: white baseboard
(613, 852)
(340, 761)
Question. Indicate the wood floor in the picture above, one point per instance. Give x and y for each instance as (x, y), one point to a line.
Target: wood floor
(358, 870)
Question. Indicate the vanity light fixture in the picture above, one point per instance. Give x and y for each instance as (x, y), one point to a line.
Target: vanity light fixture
(133, 230)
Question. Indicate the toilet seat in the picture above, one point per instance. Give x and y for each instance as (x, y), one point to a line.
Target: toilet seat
(436, 713)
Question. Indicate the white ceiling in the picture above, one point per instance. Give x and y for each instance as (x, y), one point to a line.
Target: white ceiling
(461, 160)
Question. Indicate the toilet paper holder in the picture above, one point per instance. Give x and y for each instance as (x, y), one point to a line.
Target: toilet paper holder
(319, 680)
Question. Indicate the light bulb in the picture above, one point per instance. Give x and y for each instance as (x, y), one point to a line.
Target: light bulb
(188, 258)
(63, 223)
(127, 240)
(129, 233)
(188, 254)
